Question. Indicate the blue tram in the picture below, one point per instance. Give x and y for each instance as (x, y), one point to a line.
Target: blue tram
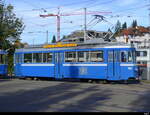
(3, 63)
(107, 61)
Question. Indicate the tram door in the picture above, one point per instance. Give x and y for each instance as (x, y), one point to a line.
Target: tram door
(58, 65)
(113, 65)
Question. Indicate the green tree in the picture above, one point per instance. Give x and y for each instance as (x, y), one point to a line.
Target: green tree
(11, 28)
(54, 39)
(134, 23)
(117, 28)
(64, 37)
(124, 26)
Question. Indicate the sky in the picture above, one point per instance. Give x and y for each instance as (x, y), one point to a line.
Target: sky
(36, 27)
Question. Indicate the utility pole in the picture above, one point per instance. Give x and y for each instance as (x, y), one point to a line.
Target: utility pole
(58, 24)
(69, 14)
(85, 29)
(47, 37)
(148, 64)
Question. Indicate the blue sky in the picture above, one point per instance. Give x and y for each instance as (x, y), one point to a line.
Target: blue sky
(36, 27)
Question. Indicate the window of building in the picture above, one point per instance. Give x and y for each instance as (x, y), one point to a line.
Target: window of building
(144, 62)
(96, 56)
(138, 53)
(70, 56)
(47, 57)
(28, 58)
(144, 53)
(37, 57)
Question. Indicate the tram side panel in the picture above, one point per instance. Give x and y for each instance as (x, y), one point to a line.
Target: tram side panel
(85, 63)
(85, 71)
(128, 67)
(28, 67)
(3, 63)
(3, 69)
(88, 64)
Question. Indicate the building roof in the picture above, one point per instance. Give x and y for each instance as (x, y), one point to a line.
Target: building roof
(139, 30)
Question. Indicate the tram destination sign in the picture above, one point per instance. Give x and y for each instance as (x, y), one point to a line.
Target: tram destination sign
(59, 45)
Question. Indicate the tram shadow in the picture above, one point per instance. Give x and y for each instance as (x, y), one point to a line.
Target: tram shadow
(127, 82)
(5, 78)
(93, 81)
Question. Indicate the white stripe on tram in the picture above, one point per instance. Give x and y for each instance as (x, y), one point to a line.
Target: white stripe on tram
(127, 64)
(84, 64)
(37, 65)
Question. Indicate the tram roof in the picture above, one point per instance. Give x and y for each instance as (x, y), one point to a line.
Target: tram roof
(79, 46)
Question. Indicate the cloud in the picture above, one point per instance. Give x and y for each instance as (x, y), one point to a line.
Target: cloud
(126, 2)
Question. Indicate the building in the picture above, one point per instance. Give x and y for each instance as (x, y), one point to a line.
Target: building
(78, 36)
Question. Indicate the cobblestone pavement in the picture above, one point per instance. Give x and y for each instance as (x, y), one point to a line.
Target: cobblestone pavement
(61, 96)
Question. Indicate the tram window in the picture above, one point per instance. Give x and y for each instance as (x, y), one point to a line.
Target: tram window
(83, 56)
(134, 56)
(70, 56)
(96, 56)
(37, 58)
(47, 57)
(16, 58)
(124, 55)
(110, 56)
(2, 59)
(130, 57)
(28, 58)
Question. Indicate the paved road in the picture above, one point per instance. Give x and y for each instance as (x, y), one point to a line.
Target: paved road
(59, 96)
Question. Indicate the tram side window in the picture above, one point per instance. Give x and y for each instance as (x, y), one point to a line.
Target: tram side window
(37, 57)
(2, 59)
(124, 55)
(134, 56)
(127, 56)
(16, 58)
(83, 56)
(110, 56)
(96, 56)
(70, 56)
(28, 58)
(47, 57)
(130, 56)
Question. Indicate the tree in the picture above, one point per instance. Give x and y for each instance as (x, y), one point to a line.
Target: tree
(134, 23)
(54, 39)
(11, 28)
(124, 26)
(64, 37)
(117, 28)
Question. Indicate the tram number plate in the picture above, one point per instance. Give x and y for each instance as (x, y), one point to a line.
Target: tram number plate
(83, 71)
(129, 68)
